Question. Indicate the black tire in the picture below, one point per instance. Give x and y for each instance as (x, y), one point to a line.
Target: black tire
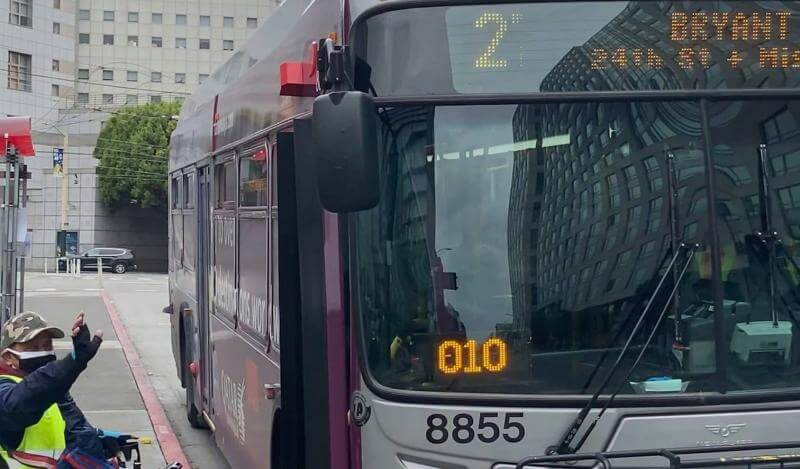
(193, 415)
(119, 268)
(276, 462)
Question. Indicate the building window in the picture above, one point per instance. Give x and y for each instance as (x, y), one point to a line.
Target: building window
(180, 78)
(108, 15)
(133, 17)
(205, 20)
(205, 44)
(56, 28)
(56, 65)
(131, 100)
(84, 15)
(133, 75)
(227, 45)
(227, 22)
(180, 43)
(157, 18)
(19, 71)
(108, 39)
(83, 38)
(180, 20)
(108, 75)
(20, 12)
(156, 41)
(83, 74)
(83, 98)
(133, 41)
(202, 78)
(108, 99)
(57, 4)
(54, 90)
(252, 23)
(155, 77)
(155, 99)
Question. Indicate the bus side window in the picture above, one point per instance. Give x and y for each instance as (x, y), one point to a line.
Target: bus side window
(175, 198)
(225, 185)
(189, 224)
(219, 185)
(177, 224)
(253, 263)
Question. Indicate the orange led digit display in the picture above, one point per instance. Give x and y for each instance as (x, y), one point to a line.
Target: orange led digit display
(454, 357)
(472, 357)
(695, 37)
(495, 357)
(450, 361)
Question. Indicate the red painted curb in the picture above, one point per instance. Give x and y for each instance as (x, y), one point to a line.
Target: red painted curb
(170, 447)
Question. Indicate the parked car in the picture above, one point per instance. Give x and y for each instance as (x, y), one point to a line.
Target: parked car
(117, 260)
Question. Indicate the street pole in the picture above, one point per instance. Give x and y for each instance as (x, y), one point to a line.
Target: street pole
(9, 280)
(3, 236)
(13, 245)
(23, 202)
(64, 190)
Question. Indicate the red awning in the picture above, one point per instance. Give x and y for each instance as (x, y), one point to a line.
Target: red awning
(19, 135)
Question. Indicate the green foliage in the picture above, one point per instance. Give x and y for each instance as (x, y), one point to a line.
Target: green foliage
(133, 149)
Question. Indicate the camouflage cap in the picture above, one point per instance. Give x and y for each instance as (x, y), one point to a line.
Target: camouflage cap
(24, 327)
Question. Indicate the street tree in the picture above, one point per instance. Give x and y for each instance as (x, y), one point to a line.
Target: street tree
(133, 149)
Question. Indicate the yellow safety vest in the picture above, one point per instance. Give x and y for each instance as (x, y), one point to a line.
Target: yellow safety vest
(728, 262)
(42, 443)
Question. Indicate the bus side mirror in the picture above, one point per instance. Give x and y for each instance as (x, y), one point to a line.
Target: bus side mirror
(345, 143)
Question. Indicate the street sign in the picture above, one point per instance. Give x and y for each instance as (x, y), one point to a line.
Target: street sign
(58, 161)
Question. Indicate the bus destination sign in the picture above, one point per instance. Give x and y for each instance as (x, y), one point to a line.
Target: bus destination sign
(695, 33)
(618, 45)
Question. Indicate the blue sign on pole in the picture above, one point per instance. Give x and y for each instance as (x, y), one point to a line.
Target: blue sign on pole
(58, 161)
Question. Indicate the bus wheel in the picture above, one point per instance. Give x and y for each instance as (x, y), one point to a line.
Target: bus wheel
(275, 448)
(192, 414)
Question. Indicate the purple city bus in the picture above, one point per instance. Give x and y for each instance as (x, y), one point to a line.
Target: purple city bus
(463, 234)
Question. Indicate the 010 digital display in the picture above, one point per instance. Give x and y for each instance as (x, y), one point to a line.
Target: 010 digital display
(456, 357)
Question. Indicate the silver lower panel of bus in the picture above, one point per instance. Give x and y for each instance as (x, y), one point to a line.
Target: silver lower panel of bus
(397, 435)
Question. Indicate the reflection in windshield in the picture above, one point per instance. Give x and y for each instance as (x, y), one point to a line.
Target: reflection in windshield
(515, 246)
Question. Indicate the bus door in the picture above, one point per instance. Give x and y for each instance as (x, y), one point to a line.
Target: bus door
(203, 276)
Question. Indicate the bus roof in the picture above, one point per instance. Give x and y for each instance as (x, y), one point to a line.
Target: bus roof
(243, 95)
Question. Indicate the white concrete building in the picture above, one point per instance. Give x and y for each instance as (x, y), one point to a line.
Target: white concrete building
(150, 48)
(70, 63)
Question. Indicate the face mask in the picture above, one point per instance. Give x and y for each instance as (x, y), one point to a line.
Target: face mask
(32, 361)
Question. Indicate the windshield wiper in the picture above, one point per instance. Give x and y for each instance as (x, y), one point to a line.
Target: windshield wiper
(563, 447)
(623, 327)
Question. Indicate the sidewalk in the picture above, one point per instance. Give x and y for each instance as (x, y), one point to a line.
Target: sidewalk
(136, 301)
(106, 391)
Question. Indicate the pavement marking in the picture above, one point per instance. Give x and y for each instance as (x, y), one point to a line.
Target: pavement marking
(146, 291)
(67, 345)
(167, 440)
(59, 294)
(45, 289)
(92, 289)
(120, 411)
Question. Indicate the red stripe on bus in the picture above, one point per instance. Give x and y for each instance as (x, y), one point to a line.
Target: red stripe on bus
(170, 447)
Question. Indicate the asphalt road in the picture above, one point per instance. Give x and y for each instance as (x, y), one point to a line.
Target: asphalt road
(107, 392)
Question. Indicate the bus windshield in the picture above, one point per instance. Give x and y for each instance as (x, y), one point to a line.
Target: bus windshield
(581, 46)
(514, 247)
